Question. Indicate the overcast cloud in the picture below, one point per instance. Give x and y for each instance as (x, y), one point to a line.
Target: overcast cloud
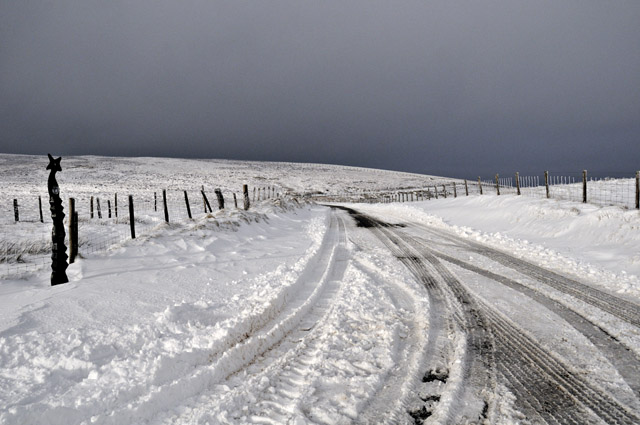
(440, 87)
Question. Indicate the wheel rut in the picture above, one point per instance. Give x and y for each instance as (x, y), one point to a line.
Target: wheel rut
(547, 389)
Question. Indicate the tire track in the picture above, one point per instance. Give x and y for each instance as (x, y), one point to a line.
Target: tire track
(544, 385)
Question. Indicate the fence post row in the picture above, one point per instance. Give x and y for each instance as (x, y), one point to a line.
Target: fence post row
(40, 207)
(16, 214)
(73, 231)
(186, 201)
(218, 193)
(546, 182)
(245, 192)
(518, 182)
(638, 190)
(584, 186)
(132, 220)
(166, 209)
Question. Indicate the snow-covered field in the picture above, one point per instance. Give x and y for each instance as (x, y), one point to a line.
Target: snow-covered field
(469, 310)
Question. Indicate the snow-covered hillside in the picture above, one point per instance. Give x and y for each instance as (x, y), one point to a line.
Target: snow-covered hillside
(479, 309)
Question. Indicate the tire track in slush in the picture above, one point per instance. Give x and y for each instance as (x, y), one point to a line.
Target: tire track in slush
(545, 386)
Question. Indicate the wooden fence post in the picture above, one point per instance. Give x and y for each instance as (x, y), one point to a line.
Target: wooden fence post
(40, 207)
(254, 194)
(245, 192)
(16, 214)
(638, 190)
(480, 185)
(546, 182)
(455, 191)
(132, 220)
(73, 237)
(235, 200)
(466, 187)
(98, 207)
(186, 201)
(115, 199)
(166, 208)
(435, 189)
(444, 191)
(518, 182)
(206, 202)
(155, 201)
(584, 186)
(109, 207)
(497, 185)
(220, 199)
(91, 203)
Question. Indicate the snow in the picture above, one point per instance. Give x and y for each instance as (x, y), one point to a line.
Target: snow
(286, 313)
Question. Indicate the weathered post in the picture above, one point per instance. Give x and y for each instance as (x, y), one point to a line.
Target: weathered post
(254, 194)
(40, 208)
(638, 190)
(166, 209)
(109, 207)
(245, 192)
(546, 182)
(91, 206)
(435, 189)
(73, 236)
(16, 214)
(497, 185)
(220, 199)
(115, 207)
(155, 201)
(444, 191)
(466, 187)
(584, 186)
(455, 191)
(58, 249)
(235, 200)
(518, 182)
(480, 185)
(132, 219)
(206, 201)
(186, 201)
(98, 208)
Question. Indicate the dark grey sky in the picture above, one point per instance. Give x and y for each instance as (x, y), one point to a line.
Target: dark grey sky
(456, 88)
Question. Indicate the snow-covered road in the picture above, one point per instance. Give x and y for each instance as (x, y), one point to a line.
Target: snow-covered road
(357, 314)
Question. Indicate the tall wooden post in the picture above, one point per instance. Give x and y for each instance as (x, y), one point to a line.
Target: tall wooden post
(480, 185)
(98, 207)
(584, 186)
(58, 249)
(132, 219)
(166, 208)
(16, 213)
(435, 190)
(518, 182)
(466, 187)
(186, 201)
(497, 185)
(109, 207)
(155, 201)
(245, 192)
(115, 206)
(91, 206)
(546, 182)
(235, 200)
(455, 191)
(40, 208)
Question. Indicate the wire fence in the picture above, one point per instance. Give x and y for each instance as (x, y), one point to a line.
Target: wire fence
(103, 220)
